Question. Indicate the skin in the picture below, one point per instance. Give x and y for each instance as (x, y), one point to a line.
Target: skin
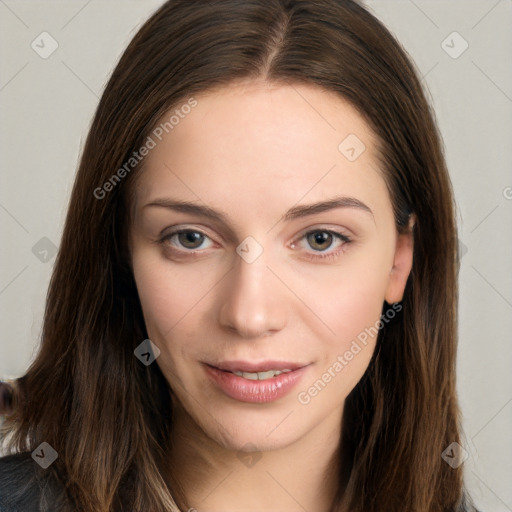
(253, 151)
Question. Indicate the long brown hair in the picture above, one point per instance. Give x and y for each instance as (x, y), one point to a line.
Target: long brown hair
(107, 415)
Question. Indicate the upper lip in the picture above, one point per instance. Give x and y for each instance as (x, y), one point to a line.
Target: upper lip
(252, 367)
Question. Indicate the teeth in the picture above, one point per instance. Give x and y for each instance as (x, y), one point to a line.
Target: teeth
(261, 375)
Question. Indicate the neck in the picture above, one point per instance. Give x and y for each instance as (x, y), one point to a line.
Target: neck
(301, 476)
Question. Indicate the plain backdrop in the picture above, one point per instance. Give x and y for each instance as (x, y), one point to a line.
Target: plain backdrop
(463, 51)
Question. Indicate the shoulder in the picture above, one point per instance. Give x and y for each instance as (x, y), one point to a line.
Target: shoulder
(21, 483)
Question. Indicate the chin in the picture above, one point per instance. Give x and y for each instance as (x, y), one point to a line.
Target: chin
(248, 427)
(253, 438)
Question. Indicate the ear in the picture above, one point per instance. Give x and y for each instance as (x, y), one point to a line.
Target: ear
(402, 264)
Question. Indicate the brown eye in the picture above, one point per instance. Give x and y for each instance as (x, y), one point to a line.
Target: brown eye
(190, 239)
(319, 240)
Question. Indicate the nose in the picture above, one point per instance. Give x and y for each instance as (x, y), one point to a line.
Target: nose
(254, 303)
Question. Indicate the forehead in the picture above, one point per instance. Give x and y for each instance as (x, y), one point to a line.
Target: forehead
(252, 141)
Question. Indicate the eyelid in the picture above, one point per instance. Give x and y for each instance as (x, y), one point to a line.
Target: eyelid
(176, 228)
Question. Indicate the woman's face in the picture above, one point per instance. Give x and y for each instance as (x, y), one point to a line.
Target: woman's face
(264, 239)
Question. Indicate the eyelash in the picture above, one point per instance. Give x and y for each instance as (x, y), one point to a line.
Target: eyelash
(320, 255)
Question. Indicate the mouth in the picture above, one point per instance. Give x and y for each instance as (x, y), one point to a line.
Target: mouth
(255, 382)
(269, 374)
(257, 371)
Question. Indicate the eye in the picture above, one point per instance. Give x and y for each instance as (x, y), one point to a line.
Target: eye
(189, 239)
(324, 242)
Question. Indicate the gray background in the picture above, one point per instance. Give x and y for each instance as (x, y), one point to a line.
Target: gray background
(47, 105)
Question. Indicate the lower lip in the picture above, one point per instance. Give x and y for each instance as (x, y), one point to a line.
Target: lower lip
(255, 391)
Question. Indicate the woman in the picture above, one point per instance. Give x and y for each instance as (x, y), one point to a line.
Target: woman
(257, 273)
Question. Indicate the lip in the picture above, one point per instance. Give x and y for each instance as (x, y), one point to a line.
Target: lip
(255, 391)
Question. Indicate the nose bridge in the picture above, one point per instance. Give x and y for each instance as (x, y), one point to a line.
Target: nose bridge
(252, 305)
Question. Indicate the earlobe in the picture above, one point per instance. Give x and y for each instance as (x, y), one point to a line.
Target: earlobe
(402, 264)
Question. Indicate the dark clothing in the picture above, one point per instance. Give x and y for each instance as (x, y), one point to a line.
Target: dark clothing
(25, 486)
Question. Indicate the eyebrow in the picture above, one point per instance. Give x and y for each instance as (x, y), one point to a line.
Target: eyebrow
(293, 213)
(337, 202)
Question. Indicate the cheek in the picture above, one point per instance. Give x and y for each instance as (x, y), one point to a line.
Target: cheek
(160, 307)
(165, 304)
(351, 307)
(168, 292)
(175, 300)
(348, 297)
